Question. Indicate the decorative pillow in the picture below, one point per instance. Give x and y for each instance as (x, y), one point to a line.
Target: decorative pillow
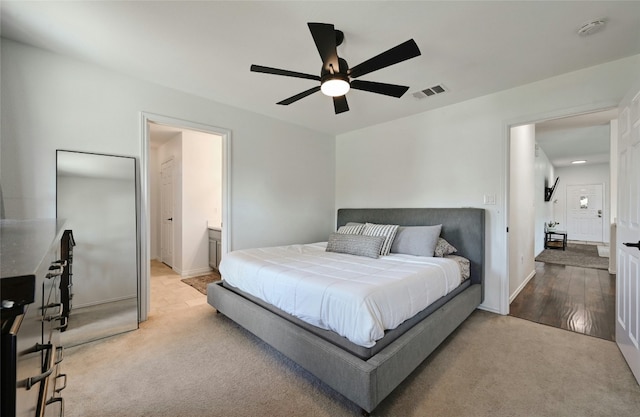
(444, 248)
(416, 240)
(355, 229)
(388, 231)
(355, 244)
(464, 264)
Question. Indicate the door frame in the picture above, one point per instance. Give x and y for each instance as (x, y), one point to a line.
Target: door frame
(145, 214)
(506, 136)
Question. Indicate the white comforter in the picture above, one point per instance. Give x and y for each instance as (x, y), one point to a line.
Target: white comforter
(354, 296)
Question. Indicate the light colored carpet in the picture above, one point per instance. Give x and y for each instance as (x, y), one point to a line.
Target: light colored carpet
(194, 362)
(576, 254)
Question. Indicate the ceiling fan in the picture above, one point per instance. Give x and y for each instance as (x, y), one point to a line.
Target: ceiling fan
(336, 78)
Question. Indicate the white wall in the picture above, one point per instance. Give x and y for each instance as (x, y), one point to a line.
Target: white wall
(521, 207)
(582, 175)
(201, 198)
(454, 155)
(282, 175)
(544, 177)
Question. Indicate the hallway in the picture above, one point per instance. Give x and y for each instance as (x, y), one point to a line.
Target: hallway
(573, 298)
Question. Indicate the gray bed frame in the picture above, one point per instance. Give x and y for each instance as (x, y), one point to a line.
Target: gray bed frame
(368, 382)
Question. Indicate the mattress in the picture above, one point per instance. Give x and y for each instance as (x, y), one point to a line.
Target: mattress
(356, 297)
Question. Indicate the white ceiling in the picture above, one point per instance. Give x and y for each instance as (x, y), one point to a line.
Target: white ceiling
(205, 48)
(582, 137)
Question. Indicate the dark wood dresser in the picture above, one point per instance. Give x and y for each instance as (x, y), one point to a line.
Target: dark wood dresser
(32, 316)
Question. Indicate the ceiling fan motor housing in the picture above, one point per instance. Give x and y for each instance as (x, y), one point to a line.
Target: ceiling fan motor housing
(343, 69)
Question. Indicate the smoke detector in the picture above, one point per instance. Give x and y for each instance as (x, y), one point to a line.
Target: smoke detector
(591, 27)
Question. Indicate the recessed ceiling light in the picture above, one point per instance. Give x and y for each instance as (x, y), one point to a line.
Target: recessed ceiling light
(580, 161)
(591, 27)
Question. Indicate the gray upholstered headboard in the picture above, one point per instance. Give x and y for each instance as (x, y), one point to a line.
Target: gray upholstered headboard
(462, 227)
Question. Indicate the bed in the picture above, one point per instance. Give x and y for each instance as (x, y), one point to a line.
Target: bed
(367, 374)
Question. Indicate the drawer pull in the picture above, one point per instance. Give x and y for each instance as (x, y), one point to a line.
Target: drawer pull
(60, 355)
(56, 316)
(65, 382)
(31, 381)
(64, 321)
(57, 400)
(54, 273)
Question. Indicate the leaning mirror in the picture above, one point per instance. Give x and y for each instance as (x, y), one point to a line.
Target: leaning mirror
(96, 195)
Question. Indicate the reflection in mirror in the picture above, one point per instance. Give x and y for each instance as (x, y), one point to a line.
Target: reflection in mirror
(584, 202)
(96, 195)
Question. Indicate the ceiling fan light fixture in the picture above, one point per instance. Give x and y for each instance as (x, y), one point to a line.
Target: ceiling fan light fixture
(335, 85)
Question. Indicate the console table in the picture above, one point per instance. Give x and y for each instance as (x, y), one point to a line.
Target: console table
(555, 239)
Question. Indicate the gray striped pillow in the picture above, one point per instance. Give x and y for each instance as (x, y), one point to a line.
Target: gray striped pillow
(355, 244)
(388, 231)
(355, 229)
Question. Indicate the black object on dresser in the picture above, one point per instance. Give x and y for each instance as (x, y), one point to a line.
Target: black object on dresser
(66, 279)
(32, 317)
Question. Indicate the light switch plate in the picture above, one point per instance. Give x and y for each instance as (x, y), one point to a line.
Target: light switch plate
(489, 199)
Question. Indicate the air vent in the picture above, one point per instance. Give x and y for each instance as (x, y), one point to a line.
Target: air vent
(431, 91)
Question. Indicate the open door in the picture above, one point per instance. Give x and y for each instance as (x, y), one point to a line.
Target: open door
(166, 210)
(628, 238)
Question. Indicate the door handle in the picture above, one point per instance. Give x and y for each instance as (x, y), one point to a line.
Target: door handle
(633, 245)
(170, 219)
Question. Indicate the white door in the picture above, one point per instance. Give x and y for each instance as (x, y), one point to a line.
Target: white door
(628, 231)
(166, 210)
(584, 212)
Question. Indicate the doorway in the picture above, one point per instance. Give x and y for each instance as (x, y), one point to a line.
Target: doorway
(582, 291)
(185, 241)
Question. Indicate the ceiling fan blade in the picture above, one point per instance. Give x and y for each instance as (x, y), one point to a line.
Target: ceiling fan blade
(392, 90)
(299, 96)
(324, 35)
(340, 104)
(402, 52)
(286, 73)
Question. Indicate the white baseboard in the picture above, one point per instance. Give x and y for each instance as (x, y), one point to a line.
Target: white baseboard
(489, 309)
(521, 287)
(195, 272)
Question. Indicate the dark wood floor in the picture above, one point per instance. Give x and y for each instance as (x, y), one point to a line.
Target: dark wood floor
(569, 297)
